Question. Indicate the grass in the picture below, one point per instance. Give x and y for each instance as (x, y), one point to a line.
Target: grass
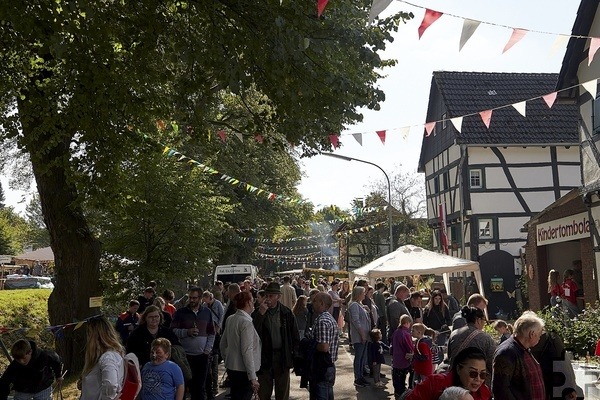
(24, 315)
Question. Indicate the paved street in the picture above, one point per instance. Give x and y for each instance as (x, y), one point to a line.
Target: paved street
(344, 385)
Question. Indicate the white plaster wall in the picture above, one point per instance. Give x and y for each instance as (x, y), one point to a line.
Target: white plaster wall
(480, 155)
(525, 155)
(532, 177)
(511, 248)
(454, 153)
(484, 203)
(509, 227)
(570, 154)
(495, 178)
(429, 168)
(569, 175)
(537, 201)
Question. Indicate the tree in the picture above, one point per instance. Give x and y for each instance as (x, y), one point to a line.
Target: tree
(13, 232)
(2, 198)
(84, 85)
(37, 234)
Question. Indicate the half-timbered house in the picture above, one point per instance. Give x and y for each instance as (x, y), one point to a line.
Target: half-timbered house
(483, 184)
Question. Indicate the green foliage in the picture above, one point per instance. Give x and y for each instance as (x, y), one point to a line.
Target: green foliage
(579, 334)
(13, 232)
(2, 197)
(27, 309)
(37, 234)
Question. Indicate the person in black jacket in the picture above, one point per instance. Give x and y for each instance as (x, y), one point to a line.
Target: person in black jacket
(150, 328)
(31, 373)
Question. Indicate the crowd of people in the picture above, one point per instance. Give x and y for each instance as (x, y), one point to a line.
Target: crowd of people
(265, 331)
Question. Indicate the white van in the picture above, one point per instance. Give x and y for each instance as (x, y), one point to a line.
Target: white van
(235, 273)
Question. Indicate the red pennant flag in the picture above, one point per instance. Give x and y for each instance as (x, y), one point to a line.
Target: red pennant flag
(259, 138)
(550, 99)
(429, 127)
(486, 117)
(514, 38)
(321, 6)
(335, 142)
(160, 124)
(430, 17)
(381, 135)
(222, 135)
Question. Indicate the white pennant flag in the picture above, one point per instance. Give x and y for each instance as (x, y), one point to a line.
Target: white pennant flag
(560, 41)
(469, 27)
(358, 137)
(377, 8)
(239, 136)
(457, 122)
(404, 131)
(591, 87)
(521, 107)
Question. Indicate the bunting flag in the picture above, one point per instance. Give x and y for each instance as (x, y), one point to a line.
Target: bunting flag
(404, 131)
(377, 8)
(321, 4)
(335, 141)
(486, 117)
(591, 87)
(239, 136)
(333, 245)
(457, 122)
(359, 230)
(516, 36)
(381, 135)
(550, 98)
(358, 137)
(468, 29)
(594, 45)
(521, 107)
(221, 134)
(259, 139)
(429, 127)
(559, 42)
(430, 17)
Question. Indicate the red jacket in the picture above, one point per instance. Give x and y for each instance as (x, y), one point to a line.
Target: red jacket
(433, 386)
(570, 290)
(422, 363)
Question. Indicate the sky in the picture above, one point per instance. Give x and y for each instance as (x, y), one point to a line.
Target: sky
(331, 181)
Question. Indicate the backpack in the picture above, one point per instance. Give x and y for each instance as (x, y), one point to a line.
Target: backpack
(132, 383)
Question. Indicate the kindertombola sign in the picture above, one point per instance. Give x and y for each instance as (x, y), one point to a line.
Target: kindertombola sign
(561, 230)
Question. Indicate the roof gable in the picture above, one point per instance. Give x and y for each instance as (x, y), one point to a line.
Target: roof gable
(464, 93)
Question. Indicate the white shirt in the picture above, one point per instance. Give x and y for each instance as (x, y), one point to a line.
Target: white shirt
(105, 380)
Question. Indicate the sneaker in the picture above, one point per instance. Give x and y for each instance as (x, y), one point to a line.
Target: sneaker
(360, 383)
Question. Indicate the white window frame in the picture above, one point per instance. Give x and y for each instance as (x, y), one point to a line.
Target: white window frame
(471, 176)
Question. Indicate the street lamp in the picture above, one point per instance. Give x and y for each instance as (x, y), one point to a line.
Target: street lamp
(346, 158)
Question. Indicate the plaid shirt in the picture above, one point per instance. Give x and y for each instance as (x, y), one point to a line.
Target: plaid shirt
(534, 376)
(325, 330)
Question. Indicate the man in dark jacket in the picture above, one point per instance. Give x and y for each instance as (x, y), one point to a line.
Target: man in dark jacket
(276, 327)
(128, 320)
(31, 373)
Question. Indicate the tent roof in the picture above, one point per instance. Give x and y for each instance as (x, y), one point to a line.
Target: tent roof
(414, 260)
(43, 254)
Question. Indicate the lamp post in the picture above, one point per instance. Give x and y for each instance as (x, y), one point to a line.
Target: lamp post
(346, 158)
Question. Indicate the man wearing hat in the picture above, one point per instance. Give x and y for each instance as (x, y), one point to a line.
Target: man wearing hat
(276, 327)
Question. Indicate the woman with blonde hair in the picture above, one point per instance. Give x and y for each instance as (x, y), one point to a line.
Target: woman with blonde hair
(104, 368)
(554, 287)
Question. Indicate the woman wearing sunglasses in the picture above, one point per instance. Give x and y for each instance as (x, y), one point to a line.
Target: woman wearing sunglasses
(468, 371)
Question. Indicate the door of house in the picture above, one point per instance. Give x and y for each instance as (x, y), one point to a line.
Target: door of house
(498, 276)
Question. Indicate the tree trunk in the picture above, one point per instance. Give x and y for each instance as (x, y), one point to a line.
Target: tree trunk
(76, 251)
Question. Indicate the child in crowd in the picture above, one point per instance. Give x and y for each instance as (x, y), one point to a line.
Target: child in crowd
(161, 378)
(31, 372)
(437, 352)
(503, 329)
(376, 348)
(422, 360)
(402, 354)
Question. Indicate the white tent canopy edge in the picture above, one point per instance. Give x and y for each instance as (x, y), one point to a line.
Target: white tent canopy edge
(413, 260)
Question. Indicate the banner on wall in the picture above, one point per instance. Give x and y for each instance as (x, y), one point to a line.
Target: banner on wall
(564, 229)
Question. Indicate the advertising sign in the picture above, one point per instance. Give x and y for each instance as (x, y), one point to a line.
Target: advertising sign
(564, 229)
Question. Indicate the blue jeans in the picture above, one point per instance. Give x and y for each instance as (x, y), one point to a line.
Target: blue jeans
(45, 394)
(322, 389)
(360, 354)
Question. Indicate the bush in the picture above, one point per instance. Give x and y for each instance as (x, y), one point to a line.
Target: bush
(579, 334)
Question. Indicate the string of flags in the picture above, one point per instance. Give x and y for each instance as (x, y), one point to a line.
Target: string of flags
(171, 153)
(57, 330)
(298, 238)
(303, 263)
(294, 248)
(306, 225)
(296, 258)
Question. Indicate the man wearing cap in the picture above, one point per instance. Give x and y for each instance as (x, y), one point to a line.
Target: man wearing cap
(276, 327)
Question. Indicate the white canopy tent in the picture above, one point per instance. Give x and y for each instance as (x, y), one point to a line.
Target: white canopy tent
(413, 260)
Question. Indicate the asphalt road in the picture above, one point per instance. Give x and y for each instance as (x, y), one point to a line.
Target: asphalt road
(344, 388)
